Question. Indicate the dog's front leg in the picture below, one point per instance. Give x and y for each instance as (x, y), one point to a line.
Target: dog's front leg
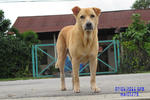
(93, 68)
(75, 69)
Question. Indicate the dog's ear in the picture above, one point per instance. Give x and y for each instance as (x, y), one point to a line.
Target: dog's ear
(97, 11)
(76, 10)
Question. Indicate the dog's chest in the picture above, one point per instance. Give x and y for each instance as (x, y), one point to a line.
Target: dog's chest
(85, 54)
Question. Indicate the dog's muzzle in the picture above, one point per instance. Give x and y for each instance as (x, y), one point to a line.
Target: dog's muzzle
(88, 26)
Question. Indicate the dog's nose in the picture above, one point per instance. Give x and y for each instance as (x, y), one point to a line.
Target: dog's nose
(88, 26)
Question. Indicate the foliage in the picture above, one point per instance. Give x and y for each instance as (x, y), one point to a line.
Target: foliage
(136, 46)
(14, 57)
(30, 37)
(4, 24)
(141, 4)
(15, 51)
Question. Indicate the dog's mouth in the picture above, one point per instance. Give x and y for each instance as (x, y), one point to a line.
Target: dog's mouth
(89, 29)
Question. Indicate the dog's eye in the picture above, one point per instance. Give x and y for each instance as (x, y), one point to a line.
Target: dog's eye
(82, 17)
(92, 16)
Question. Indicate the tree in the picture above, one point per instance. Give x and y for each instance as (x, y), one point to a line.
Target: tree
(136, 46)
(4, 24)
(30, 37)
(141, 4)
(15, 51)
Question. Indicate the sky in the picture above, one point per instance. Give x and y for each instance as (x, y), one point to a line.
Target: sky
(15, 8)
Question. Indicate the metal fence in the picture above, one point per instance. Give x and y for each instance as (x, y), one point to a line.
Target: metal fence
(113, 44)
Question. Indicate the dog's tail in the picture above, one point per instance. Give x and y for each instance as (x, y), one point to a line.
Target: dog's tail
(61, 50)
(56, 65)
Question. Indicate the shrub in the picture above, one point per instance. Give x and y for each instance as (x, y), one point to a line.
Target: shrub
(135, 42)
(14, 57)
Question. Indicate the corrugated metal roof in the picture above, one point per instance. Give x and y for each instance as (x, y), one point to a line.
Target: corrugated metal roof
(52, 23)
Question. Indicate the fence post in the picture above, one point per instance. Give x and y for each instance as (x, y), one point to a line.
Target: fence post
(118, 53)
(115, 54)
(33, 61)
(36, 60)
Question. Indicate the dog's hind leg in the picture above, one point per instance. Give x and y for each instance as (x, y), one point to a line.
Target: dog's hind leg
(61, 53)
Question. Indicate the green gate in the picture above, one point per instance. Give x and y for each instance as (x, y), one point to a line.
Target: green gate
(113, 44)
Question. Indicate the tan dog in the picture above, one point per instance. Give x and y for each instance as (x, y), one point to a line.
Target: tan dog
(80, 41)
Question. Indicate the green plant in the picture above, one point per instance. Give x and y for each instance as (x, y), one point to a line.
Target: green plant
(141, 4)
(30, 37)
(135, 42)
(15, 51)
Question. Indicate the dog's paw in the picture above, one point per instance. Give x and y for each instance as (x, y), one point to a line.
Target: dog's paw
(63, 89)
(96, 90)
(77, 90)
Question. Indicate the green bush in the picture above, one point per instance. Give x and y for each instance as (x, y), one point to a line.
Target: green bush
(15, 51)
(13, 57)
(135, 42)
(30, 37)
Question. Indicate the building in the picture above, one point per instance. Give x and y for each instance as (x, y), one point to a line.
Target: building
(48, 27)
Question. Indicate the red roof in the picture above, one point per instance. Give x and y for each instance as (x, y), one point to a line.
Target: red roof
(52, 23)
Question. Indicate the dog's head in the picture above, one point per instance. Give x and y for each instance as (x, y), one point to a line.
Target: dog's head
(86, 18)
